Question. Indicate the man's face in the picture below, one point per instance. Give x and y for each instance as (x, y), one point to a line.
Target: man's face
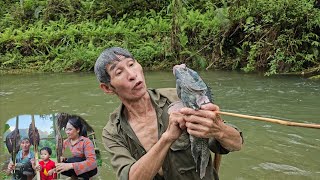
(127, 79)
(25, 145)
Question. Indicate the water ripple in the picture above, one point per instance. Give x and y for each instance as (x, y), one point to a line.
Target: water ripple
(5, 93)
(286, 169)
(295, 135)
(91, 94)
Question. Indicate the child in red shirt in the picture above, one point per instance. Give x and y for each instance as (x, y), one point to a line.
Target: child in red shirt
(47, 170)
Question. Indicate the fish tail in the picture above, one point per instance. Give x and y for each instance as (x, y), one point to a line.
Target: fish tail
(205, 156)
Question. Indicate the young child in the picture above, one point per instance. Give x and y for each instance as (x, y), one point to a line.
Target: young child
(47, 166)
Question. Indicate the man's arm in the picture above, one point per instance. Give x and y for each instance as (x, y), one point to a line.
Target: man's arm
(230, 138)
(206, 123)
(148, 165)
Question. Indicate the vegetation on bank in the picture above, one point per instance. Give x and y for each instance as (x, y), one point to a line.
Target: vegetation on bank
(272, 36)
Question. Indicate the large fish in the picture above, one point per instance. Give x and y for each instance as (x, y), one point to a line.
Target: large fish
(13, 142)
(34, 135)
(193, 92)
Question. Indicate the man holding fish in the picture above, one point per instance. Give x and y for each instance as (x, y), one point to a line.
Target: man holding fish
(144, 140)
(24, 159)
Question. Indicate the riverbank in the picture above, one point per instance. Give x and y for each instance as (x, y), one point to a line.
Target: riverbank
(59, 36)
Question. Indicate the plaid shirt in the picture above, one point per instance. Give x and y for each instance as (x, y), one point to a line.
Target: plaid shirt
(82, 148)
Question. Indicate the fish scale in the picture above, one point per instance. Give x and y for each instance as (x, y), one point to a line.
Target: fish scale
(193, 92)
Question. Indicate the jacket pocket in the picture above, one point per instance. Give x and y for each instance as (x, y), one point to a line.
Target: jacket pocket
(181, 163)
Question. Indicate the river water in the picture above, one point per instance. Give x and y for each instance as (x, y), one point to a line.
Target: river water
(270, 151)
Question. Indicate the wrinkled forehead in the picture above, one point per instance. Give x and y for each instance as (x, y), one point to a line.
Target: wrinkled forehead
(25, 141)
(113, 64)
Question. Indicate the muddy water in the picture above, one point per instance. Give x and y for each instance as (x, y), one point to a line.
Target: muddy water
(271, 151)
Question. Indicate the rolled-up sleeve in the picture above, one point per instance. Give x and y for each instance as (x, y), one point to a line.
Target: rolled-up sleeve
(239, 130)
(121, 159)
(215, 145)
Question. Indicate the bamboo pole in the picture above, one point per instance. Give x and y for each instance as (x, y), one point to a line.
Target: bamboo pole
(14, 152)
(35, 146)
(59, 140)
(277, 121)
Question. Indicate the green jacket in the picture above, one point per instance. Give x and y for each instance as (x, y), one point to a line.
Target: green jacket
(121, 142)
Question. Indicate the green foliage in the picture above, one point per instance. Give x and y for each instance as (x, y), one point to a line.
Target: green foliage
(6, 127)
(51, 143)
(278, 36)
(317, 77)
(272, 36)
(3, 175)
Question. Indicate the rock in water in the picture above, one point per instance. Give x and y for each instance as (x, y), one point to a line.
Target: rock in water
(193, 92)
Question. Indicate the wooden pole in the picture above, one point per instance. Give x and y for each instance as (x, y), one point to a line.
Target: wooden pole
(35, 146)
(14, 152)
(59, 140)
(175, 30)
(277, 121)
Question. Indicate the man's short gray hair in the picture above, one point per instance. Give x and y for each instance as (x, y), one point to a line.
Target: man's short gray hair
(107, 57)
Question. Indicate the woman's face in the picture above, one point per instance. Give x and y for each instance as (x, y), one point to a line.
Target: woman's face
(72, 132)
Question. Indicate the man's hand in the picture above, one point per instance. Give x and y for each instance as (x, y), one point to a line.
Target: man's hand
(33, 163)
(37, 167)
(205, 122)
(175, 127)
(10, 168)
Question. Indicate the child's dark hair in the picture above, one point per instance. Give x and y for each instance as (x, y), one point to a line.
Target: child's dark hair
(47, 149)
(75, 121)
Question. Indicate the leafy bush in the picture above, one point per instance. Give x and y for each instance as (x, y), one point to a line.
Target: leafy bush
(273, 36)
(277, 36)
